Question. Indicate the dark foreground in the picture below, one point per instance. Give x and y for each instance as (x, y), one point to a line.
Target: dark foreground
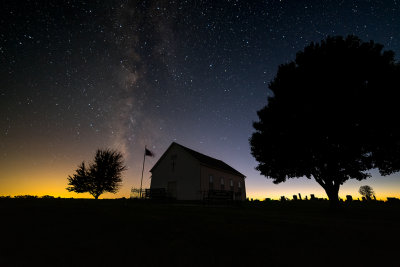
(62, 232)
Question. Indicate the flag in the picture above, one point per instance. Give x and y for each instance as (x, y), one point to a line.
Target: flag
(148, 153)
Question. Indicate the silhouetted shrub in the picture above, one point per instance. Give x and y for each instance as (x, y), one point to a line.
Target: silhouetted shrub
(47, 197)
(26, 197)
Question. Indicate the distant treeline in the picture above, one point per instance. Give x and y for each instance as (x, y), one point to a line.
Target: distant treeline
(349, 198)
(41, 197)
(282, 199)
(29, 197)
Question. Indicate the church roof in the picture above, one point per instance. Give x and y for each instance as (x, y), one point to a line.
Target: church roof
(206, 160)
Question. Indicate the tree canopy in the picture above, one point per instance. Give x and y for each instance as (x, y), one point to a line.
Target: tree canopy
(366, 191)
(332, 115)
(103, 175)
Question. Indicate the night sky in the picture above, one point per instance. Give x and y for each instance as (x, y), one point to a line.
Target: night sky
(76, 76)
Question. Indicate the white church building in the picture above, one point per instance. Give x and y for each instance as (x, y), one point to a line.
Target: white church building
(185, 174)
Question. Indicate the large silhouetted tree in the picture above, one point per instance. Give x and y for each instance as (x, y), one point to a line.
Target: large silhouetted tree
(333, 115)
(103, 175)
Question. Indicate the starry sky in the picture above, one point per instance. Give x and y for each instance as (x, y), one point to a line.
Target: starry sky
(81, 75)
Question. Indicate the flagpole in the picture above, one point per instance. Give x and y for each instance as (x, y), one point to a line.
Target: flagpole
(141, 181)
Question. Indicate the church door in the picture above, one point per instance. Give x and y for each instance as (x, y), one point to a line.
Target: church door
(172, 189)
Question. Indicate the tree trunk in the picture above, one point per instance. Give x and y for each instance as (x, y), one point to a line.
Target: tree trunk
(96, 196)
(333, 194)
(332, 190)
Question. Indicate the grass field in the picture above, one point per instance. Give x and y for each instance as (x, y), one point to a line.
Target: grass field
(72, 232)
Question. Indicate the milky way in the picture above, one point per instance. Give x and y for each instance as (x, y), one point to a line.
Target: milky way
(76, 76)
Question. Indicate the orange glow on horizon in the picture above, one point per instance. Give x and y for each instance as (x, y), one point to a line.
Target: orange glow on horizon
(27, 177)
(54, 184)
